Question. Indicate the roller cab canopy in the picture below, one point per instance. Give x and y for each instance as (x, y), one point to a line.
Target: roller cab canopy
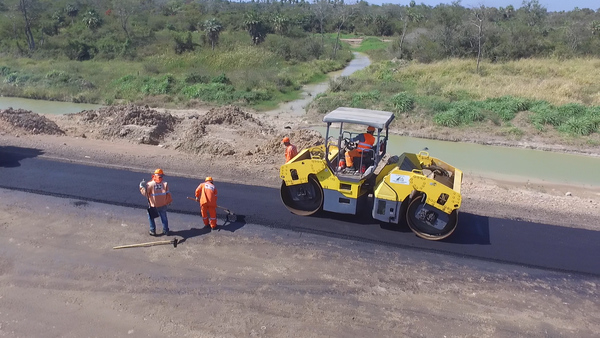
(376, 118)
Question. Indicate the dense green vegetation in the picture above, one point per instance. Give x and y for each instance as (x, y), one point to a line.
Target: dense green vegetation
(455, 64)
(556, 94)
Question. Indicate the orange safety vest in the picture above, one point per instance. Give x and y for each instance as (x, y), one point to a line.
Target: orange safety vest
(367, 143)
(290, 152)
(158, 193)
(207, 192)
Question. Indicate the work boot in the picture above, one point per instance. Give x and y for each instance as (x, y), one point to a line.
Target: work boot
(152, 233)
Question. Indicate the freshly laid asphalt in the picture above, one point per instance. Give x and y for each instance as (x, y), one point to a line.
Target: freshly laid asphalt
(501, 240)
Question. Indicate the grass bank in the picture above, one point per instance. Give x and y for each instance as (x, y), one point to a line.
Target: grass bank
(557, 95)
(234, 73)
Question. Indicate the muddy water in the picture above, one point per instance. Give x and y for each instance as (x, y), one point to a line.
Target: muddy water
(514, 164)
(45, 107)
(297, 107)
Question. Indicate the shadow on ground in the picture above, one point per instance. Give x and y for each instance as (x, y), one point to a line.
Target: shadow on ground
(231, 224)
(11, 157)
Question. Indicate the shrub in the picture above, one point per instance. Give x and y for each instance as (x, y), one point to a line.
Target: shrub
(358, 99)
(4, 71)
(80, 51)
(544, 114)
(184, 45)
(210, 92)
(342, 83)
(460, 112)
(506, 106)
(580, 126)
(251, 97)
(403, 102)
(326, 103)
(447, 119)
(221, 78)
(197, 78)
(57, 76)
(159, 86)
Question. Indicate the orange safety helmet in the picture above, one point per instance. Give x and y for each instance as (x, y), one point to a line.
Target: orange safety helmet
(371, 129)
(158, 172)
(286, 140)
(208, 179)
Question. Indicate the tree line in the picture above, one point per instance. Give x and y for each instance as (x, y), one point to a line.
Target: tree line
(107, 29)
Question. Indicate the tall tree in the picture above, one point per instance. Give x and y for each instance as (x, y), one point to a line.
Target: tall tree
(342, 13)
(411, 16)
(123, 10)
(322, 10)
(280, 23)
(255, 27)
(449, 17)
(478, 20)
(213, 28)
(29, 9)
(72, 10)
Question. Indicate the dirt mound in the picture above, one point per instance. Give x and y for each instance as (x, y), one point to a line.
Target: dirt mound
(221, 131)
(28, 122)
(193, 139)
(230, 115)
(136, 123)
(302, 139)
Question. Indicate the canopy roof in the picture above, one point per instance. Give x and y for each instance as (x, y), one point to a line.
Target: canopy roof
(376, 118)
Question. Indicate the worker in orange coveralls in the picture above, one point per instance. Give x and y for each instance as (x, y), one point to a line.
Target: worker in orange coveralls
(290, 150)
(206, 193)
(365, 142)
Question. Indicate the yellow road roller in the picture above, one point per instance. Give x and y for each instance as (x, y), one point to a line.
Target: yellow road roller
(422, 190)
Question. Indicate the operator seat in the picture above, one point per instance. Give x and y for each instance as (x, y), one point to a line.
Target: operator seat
(367, 159)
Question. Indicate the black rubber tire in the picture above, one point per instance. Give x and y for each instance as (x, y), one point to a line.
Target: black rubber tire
(303, 199)
(424, 230)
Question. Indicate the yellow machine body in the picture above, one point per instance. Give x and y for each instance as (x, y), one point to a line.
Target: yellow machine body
(417, 189)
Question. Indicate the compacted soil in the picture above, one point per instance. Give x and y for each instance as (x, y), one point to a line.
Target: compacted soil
(60, 277)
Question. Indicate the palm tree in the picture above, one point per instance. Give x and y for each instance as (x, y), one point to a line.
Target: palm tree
(595, 27)
(255, 27)
(213, 28)
(280, 23)
(92, 19)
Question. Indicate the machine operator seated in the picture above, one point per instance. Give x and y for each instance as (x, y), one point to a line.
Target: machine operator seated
(364, 144)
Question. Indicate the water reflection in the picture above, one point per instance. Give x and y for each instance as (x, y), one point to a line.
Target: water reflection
(45, 107)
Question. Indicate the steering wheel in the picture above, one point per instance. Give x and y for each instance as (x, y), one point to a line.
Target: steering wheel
(349, 144)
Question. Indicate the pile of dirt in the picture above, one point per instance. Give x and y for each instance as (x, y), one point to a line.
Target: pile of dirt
(27, 122)
(230, 115)
(140, 124)
(221, 131)
(302, 138)
(193, 139)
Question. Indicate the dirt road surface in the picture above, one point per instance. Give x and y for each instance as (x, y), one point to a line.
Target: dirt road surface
(60, 277)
